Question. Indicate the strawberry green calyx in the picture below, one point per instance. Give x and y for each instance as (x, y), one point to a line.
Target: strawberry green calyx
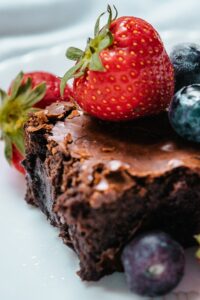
(14, 110)
(90, 59)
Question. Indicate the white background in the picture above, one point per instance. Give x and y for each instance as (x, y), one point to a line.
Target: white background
(34, 264)
(32, 24)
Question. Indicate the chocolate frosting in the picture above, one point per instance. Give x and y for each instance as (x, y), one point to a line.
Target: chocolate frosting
(102, 183)
(148, 146)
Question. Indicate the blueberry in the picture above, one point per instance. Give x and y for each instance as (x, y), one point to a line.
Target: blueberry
(186, 61)
(184, 112)
(153, 263)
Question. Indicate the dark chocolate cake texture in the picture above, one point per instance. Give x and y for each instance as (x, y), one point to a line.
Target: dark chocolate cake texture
(101, 183)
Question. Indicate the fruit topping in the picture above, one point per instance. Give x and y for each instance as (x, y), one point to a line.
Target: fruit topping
(184, 113)
(153, 263)
(186, 61)
(124, 71)
(52, 87)
(27, 91)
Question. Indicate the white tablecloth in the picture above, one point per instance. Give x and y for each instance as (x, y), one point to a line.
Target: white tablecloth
(31, 24)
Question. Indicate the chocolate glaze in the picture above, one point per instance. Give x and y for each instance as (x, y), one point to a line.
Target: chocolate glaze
(101, 183)
(146, 147)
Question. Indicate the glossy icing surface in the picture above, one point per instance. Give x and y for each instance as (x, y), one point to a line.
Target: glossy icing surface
(145, 147)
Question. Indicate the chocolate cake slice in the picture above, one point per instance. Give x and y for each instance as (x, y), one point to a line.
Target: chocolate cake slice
(101, 183)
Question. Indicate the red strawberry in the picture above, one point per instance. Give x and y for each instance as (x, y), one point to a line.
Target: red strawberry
(124, 72)
(35, 89)
(52, 87)
(17, 158)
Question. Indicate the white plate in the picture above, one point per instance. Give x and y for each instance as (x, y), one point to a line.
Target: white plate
(34, 263)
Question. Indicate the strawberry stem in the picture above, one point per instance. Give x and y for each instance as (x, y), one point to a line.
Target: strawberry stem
(14, 110)
(74, 53)
(90, 58)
